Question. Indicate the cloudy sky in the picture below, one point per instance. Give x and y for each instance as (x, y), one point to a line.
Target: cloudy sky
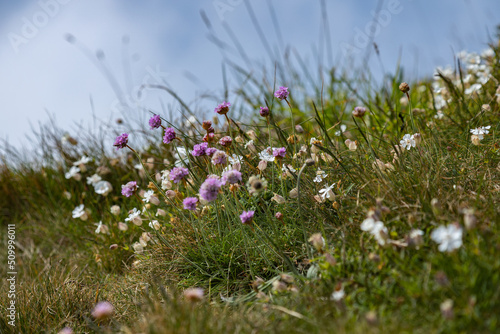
(42, 74)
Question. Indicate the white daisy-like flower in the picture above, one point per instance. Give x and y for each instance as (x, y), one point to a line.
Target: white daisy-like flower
(320, 175)
(250, 146)
(92, 180)
(73, 172)
(327, 192)
(103, 188)
(233, 159)
(101, 228)
(155, 225)
(147, 196)
(267, 154)
(407, 142)
(448, 237)
(134, 217)
(83, 161)
(79, 211)
(481, 131)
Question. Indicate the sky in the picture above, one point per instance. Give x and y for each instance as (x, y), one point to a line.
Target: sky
(117, 45)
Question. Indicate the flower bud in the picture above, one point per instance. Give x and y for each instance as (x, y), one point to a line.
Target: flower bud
(103, 310)
(278, 199)
(359, 112)
(122, 226)
(206, 125)
(404, 87)
(264, 111)
(194, 295)
(317, 241)
(351, 144)
(262, 165)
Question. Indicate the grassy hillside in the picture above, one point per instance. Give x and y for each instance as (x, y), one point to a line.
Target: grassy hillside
(338, 206)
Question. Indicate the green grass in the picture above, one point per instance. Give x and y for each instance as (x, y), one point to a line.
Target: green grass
(64, 267)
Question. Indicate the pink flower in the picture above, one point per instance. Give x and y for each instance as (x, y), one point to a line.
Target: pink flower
(103, 310)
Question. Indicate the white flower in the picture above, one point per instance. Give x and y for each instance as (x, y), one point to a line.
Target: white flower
(343, 127)
(101, 228)
(448, 237)
(416, 233)
(473, 88)
(93, 179)
(439, 115)
(267, 154)
(79, 212)
(327, 192)
(134, 217)
(191, 121)
(103, 188)
(380, 233)
(338, 295)
(83, 160)
(235, 159)
(367, 224)
(155, 225)
(181, 157)
(73, 172)
(488, 53)
(481, 131)
(147, 196)
(320, 175)
(288, 170)
(139, 167)
(250, 146)
(407, 142)
(375, 228)
(166, 184)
